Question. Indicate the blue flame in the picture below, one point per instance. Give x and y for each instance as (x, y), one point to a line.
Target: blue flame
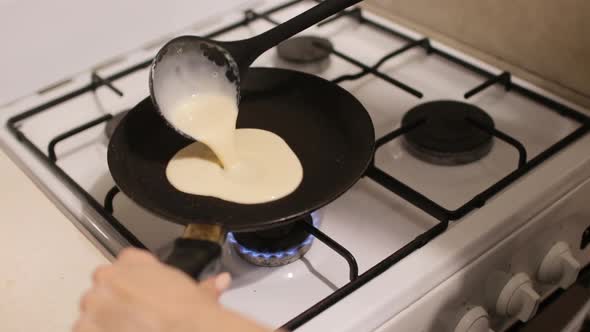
(276, 255)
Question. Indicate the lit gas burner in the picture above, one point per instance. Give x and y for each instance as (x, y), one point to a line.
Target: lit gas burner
(306, 53)
(275, 247)
(447, 137)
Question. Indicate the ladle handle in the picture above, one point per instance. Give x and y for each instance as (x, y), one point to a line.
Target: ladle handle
(269, 39)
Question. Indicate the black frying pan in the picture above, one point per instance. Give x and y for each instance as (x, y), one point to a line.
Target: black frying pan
(327, 128)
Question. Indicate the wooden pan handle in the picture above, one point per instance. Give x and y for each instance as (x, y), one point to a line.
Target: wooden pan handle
(197, 253)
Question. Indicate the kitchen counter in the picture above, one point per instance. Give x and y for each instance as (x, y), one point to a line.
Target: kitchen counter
(46, 262)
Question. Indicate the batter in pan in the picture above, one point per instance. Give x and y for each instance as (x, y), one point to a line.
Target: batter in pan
(246, 166)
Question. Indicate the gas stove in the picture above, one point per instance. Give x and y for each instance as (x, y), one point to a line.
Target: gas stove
(471, 214)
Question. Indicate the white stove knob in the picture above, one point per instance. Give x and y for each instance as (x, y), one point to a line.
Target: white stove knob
(475, 319)
(559, 266)
(518, 298)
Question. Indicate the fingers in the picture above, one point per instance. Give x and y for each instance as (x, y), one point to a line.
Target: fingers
(126, 256)
(85, 324)
(96, 297)
(216, 285)
(222, 282)
(140, 292)
(85, 301)
(101, 310)
(127, 259)
(115, 280)
(111, 276)
(102, 273)
(132, 255)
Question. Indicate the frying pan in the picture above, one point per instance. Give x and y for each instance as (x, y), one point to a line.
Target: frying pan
(327, 128)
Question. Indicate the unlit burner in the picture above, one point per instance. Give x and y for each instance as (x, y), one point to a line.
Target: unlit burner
(277, 246)
(447, 136)
(309, 54)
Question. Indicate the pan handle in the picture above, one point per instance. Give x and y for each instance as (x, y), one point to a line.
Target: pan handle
(197, 253)
(197, 258)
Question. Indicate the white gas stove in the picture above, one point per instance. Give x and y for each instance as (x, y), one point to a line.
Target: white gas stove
(440, 244)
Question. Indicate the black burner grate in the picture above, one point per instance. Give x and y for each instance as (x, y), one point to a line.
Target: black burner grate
(442, 215)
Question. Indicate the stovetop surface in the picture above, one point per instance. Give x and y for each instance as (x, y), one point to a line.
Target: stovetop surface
(368, 220)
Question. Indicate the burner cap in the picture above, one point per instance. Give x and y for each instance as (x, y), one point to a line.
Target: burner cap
(274, 247)
(304, 49)
(447, 137)
(113, 123)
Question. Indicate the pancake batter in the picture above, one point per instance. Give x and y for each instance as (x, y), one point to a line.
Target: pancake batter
(246, 166)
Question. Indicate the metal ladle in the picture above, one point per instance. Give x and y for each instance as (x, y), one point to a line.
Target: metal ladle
(189, 65)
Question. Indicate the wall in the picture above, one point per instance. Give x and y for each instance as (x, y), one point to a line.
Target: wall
(544, 41)
(44, 42)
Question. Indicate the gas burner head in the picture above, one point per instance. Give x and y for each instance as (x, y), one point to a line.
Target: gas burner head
(305, 49)
(113, 123)
(277, 246)
(305, 53)
(447, 136)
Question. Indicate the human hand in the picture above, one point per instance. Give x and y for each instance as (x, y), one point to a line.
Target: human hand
(137, 293)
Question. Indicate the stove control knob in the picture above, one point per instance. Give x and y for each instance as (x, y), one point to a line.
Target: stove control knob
(518, 298)
(559, 266)
(474, 319)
